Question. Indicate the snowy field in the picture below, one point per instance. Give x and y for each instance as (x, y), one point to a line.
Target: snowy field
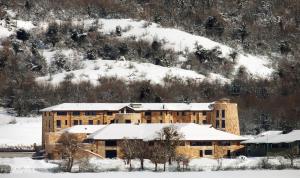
(215, 174)
(27, 165)
(19, 131)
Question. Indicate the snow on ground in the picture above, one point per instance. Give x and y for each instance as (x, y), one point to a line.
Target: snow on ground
(215, 174)
(116, 167)
(8, 29)
(126, 70)
(24, 133)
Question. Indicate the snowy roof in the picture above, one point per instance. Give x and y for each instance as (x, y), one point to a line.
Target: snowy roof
(275, 137)
(88, 129)
(134, 106)
(190, 131)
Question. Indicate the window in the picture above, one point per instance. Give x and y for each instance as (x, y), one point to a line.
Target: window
(66, 122)
(194, 121)
(204, 113)
(61, 113)
(161, 113)
(194, 113)
(109, 113)
(223, 113)
(161, 121)
(223, 124)
(112, 121)
(91, 122)
(75, 122)
(224, 143)
(151, 143)
(204, 121)
(90, 113)
(178, 113)
(149, 121)
(127, 121)
(197, 143)
(217, 123)
(98, 122)
(80, 122)
(201, 153)
(208, 152)
(58, 123)
(76, 113)
(218, 114)
(110, 143)
(110, 154)
(147, 113)
(171, 121)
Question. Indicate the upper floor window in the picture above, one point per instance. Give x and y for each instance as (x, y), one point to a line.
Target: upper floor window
(109, 113)
(217, 114)
(223, 124)
(90, 113)
(147, 113)
(161, 113)
(224, 143)
(76, 113)
(110, 143)
(217, 124)
(198, 143)
(223, 113)
(58, 123)
(61, 113)
(66, 122)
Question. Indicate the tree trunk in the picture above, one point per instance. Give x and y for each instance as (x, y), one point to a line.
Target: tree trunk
(155, 167)
(142, 164)
(170, 160)
(164, 167)
(130, 166)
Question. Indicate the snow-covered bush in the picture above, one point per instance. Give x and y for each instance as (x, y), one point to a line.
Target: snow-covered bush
(5, 169)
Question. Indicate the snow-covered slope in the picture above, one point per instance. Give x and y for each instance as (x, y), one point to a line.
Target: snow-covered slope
(126, 70)
(180, 41)
(19, 131)
(177, 40)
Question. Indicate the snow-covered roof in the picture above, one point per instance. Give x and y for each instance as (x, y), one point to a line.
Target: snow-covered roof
(88, 129)
(134, 106)
(275, 137)
(190, 131)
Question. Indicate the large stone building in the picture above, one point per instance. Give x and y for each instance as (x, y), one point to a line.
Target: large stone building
(221, 115)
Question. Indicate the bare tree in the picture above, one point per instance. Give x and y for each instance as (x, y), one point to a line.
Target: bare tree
(70, 147)
(158, 155)
(170, 139)
(141, 151)
(184, 160)
(291, 154)
(128, 147)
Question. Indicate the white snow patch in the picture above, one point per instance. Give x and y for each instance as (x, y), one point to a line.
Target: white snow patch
(126, 70)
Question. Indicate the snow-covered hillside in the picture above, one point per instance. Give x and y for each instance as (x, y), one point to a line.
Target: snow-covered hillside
(174, 39)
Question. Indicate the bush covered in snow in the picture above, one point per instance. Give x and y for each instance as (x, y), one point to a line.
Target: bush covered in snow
(5, 169)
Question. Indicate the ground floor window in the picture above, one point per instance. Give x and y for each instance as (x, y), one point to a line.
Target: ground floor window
(58, 123)
(149, 121)
(127, 121)
(201, 153)
(75, 122)
(91, 122)
(208, 152)
(110, 154)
